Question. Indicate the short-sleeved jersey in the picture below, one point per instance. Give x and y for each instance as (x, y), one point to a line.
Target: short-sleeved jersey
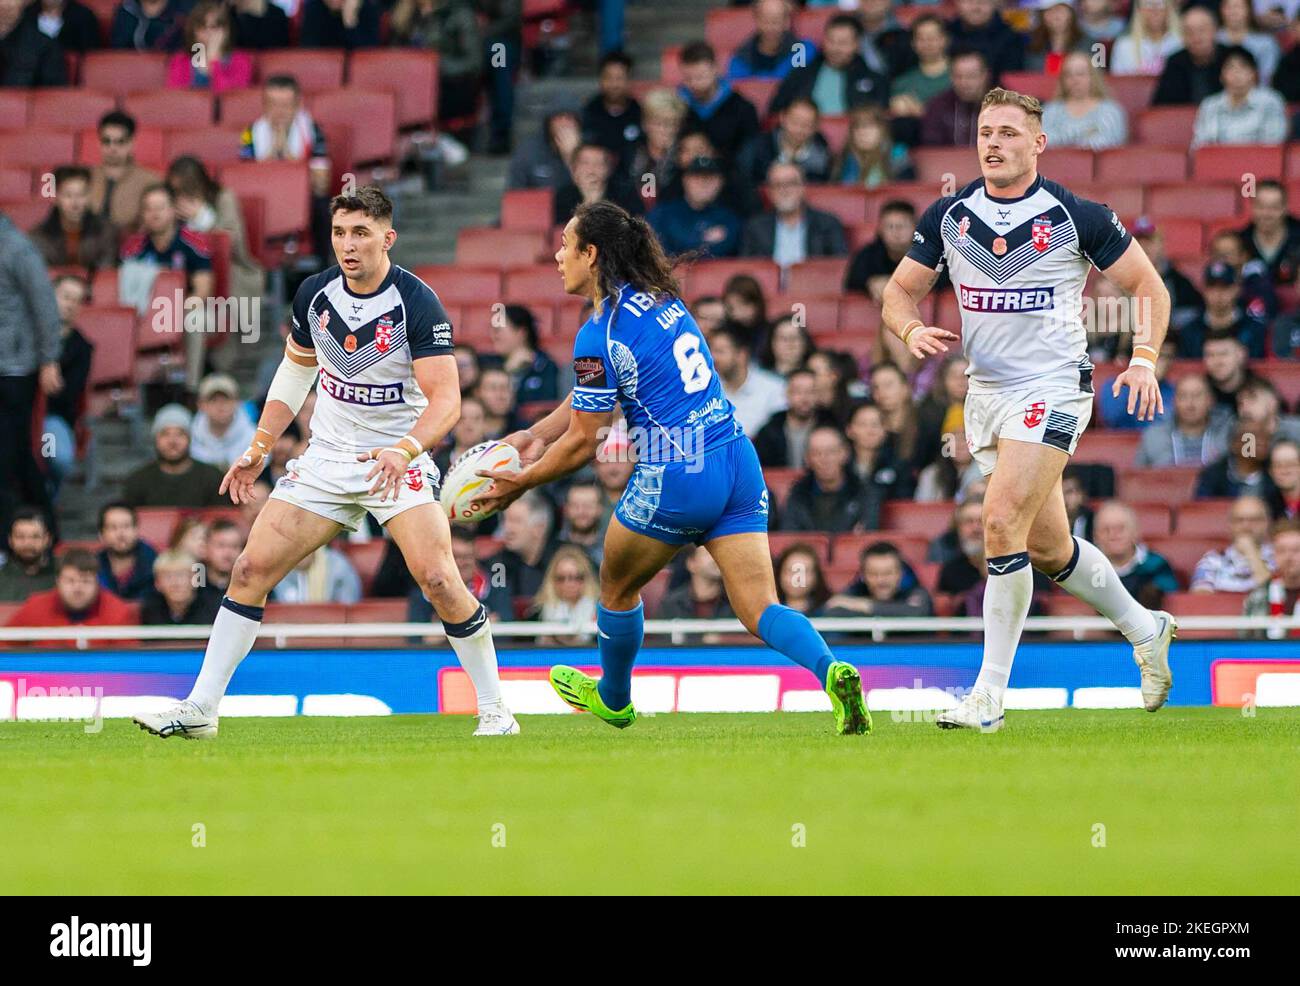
(650, 356)
(188, 251)
(366, 346)
(1018, 267)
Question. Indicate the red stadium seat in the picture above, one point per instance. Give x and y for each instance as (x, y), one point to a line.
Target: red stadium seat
(458, 285)
(726, 29)
(652, 593)
(15, 183)
(670, 65)
(103, 288)
(1124, 200)
(1140, 162)
(1205, 604)
(283, 185)
(411, 75)
(1183, 552)
(148, 148)
(15, 109)
(1282, 374)
(911, 517)
(535, 283)
(710, 276)
(820, 543)
(779, 481)
(859, 314)
(212, 146)
(70, 109)
(936, 164)
(860, 345)
(1038, 84)
(1067, 165)
(1116, 449)
(473, 324)
(1183, 237)
(32, 148)
(568, 318)
(836, 131)
(1203, 518)
(170, 108)
(1172, 485)
(152, 335)
(26, 213)
(486, 246)
(1293, 160)
(848, 205)
(810, 22)
(1201, 200)
(848, 548)
(316, 69)
(103, 11)
(121, 72)
(372, 117)
(531, 209)
(1232, 162)
(374, 611)
(319, 614)
(112, 332)
(759, 92)
(922, 195)
(252, 208)
(240, 107)
(156, 524)
(1170, 125)
(817, 315)
(365, 557)
(1133, 92)
(822, 277)
(1154, 519)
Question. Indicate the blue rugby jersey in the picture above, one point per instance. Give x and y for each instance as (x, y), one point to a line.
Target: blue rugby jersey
(650, 356)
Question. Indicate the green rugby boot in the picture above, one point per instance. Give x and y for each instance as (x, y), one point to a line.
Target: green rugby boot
(580, 691)
(844, 686)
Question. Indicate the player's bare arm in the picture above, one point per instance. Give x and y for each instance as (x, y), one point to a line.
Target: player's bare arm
(901, 313)
(1137, 277)
(439, 380)
(576, 447)
(294, 378)
(532, 441)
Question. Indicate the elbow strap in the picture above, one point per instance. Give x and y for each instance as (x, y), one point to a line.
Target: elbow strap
(291, 384)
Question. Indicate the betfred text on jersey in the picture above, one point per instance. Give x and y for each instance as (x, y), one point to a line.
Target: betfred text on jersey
(370, 395)
(1006, 299)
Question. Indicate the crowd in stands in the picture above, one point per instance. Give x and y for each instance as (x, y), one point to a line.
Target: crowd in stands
(736, 152)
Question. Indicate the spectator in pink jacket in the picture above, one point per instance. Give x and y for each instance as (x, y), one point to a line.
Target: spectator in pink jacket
(207, 60)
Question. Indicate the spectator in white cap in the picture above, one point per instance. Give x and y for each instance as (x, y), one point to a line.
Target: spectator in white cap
(174, 478)
(222, 429)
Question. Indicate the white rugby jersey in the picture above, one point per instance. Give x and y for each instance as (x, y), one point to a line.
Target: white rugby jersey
(1018, 267)
(366, 346)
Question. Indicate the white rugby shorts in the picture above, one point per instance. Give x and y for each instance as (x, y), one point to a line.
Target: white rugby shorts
(1043, 413)
(341, 492)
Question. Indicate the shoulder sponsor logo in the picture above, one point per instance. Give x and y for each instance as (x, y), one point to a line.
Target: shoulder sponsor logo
(442, 335)
(917, 237)
(589, 371)
(1005, 299)
(1114, 221)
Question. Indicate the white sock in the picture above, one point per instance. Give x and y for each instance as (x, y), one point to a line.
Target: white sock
(1006, 604)
(1091, 577)
(233, 633)
(472, 642)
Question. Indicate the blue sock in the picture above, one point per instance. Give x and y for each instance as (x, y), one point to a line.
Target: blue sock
(619, 640)
(789, 632)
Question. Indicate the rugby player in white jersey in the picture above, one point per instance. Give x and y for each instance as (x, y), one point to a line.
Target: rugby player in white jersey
(1018, 249)
(380, 343)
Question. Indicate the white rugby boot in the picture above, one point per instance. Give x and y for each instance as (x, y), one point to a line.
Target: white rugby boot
(976, 711)
(185, 719)
(1153, 659)
(496, 720)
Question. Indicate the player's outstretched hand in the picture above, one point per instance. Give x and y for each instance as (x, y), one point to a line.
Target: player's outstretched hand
(241, 476)
(929, 340)
(505, 489)
(385, 476)
(528, 445)
(1143, 392)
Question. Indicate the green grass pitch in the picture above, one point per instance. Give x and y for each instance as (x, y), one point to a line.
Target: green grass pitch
(1185, 801)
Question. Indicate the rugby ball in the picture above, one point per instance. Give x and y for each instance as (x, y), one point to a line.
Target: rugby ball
(463, 481)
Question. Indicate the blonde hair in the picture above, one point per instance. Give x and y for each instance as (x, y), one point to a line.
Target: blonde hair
(547, 593)
(665, 103)
(1096, 81)
(1008, 97)
(173, 559)
(1173, 22)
